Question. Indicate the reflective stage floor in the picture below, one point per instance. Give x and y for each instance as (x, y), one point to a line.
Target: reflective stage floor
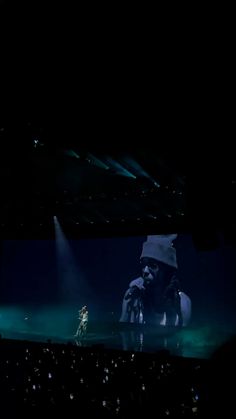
(192, 342)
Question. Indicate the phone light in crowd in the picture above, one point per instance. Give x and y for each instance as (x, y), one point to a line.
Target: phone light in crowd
(37, 143)
(154, 217)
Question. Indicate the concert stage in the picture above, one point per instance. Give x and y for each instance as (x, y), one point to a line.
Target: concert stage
(199, 342)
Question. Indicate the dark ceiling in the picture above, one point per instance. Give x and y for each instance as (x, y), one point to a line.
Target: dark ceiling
(107, 187)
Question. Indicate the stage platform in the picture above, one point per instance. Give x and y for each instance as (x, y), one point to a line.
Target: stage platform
(194, 342)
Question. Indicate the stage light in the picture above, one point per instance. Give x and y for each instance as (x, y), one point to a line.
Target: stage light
(72, 153)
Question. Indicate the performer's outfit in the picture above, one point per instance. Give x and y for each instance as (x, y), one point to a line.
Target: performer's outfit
(82, 328)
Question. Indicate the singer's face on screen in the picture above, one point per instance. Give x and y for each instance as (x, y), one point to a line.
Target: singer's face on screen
(150, 269)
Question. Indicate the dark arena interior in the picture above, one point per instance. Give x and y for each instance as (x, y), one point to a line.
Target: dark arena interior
(93, 224)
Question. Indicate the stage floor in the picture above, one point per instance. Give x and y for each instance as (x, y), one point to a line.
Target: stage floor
(198, 342)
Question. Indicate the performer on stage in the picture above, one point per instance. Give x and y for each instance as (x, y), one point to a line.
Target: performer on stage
(83, 318)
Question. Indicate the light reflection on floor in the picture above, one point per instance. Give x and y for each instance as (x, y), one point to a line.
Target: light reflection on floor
(193, 342)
